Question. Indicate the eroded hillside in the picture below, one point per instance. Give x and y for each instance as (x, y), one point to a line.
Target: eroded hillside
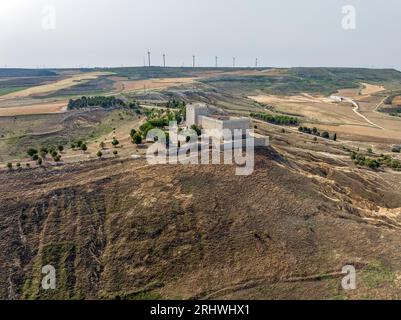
(125, 229)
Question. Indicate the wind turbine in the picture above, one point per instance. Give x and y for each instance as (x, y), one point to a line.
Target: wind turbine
(149, 57)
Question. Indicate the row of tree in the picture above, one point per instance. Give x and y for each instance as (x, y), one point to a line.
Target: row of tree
(276, 119)
(175, 104)
(314, 131)
(40, 155)
(98, 101)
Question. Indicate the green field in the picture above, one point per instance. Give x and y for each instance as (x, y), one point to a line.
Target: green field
(7, 90)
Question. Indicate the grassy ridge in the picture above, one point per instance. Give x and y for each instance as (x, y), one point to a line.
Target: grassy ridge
(310, 80)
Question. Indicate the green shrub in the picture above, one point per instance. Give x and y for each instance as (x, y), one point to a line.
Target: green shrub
(325, 135)
(31, 152)
(115, 142)
(137, 138)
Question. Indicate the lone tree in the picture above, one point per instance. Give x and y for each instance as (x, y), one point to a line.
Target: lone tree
(31, 152)
(325, 135)
(115, 142)
(132, 133)
(99, 154)
(102, 145)
(137, 138)
(9, 165)
(396, 149)
(60, 148)
(84, 147)
(115, 152)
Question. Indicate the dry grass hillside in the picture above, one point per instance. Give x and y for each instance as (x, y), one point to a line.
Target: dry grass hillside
(125, 229)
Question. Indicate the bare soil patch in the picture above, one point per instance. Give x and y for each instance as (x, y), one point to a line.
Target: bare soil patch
(42, 108)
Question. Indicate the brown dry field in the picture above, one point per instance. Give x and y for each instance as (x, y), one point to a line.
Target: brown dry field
(370, 89)
(19, 103)
(42, 108)
(332, 116)
(317, 109)
(160, 83)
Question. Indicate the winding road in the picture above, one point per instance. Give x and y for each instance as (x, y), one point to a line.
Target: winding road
(356, 110)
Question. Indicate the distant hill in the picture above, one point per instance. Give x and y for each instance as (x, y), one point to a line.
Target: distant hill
(26, 73)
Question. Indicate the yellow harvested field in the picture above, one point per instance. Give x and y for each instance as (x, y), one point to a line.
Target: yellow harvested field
(266, 98)
(43, 108)
(370, 89)
(327, 114)
(397, 101)
(366, 90)
(135, 85)
(54, 86)
(317, 109)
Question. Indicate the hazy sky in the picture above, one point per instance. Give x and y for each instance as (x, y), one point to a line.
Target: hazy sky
(66, 33)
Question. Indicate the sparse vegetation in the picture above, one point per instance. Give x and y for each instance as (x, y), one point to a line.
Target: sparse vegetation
(377, 274)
